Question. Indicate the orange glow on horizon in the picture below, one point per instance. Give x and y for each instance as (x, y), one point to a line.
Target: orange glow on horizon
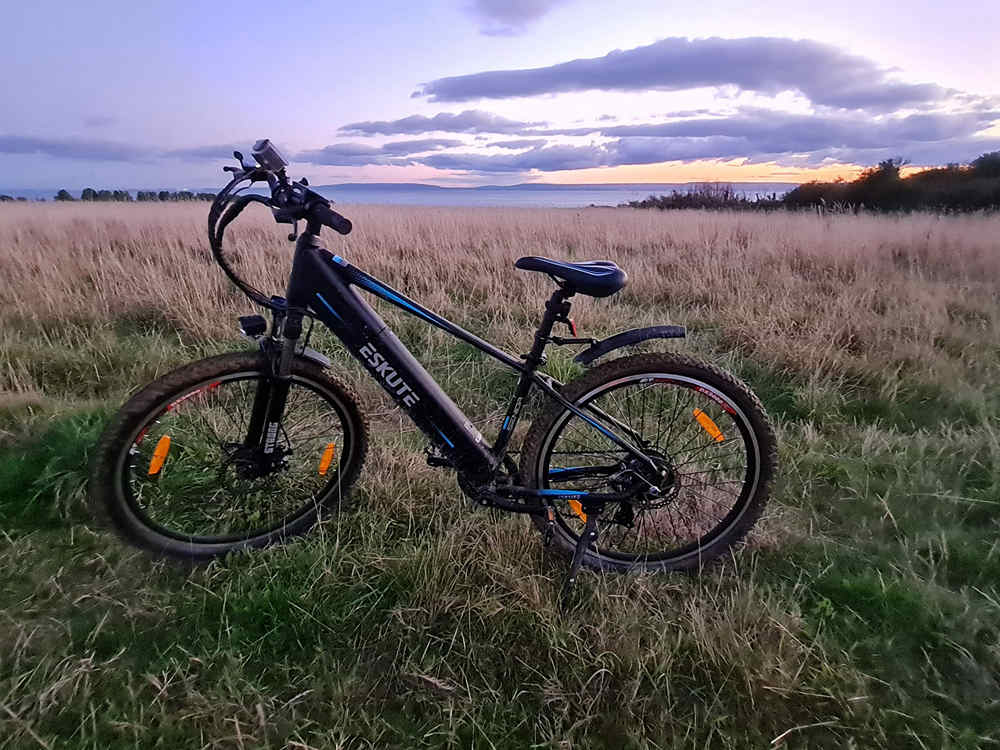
(697, 171)
(703, 171)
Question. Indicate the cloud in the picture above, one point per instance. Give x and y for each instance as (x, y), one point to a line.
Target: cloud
(469, 121)
(344, 155)
(824, 74)
(72, 148)
(510, 17)
(419, 145)
(543, 158)
(753, 135)
(361, 154)
(518, 143)
(961, 151)
(795, 132)
(756, 136)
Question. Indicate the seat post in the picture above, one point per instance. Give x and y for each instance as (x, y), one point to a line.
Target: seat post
(556, 308)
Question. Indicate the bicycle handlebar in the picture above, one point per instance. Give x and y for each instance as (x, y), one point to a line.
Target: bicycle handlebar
(326, 216)
(289, 202)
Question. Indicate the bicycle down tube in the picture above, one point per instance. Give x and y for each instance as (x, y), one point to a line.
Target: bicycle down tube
(326, 284)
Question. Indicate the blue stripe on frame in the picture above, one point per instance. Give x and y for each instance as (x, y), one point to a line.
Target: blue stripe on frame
(381, 291)
(443, 436)
(328, 307)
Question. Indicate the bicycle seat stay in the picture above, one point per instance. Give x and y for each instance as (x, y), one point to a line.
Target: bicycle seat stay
(595, 278)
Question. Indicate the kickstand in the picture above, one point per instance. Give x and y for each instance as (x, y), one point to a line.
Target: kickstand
(588, 537)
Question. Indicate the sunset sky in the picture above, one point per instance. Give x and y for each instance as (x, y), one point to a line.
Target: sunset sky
(464, 92)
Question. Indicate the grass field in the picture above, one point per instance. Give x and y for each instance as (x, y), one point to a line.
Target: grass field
(864, 611)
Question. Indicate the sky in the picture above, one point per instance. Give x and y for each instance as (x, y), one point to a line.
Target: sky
(468, 92)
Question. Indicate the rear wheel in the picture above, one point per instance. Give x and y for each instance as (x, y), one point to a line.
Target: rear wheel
(712, 449)
(174, 474)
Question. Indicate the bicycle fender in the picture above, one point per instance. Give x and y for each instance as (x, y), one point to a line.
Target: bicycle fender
(628, 338)
(314, 356)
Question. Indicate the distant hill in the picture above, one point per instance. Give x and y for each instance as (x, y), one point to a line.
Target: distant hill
(763, 187)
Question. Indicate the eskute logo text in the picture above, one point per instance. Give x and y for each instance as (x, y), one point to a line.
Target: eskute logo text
(393, 381)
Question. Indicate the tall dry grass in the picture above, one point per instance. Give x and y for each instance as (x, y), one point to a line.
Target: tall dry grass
(856, 293)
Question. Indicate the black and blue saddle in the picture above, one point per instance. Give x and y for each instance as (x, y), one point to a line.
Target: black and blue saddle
(595, 278)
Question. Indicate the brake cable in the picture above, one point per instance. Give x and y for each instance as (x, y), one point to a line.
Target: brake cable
(225, 209)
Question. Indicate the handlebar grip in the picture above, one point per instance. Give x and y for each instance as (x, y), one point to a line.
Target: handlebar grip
(330, 218)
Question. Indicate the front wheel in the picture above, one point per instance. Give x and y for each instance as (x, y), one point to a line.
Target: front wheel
(708, 436)
(176, 472)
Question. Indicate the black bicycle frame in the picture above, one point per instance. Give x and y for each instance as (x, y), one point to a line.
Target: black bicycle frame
(327, 286)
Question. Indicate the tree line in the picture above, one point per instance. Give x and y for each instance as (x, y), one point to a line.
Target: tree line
(89, 194)
(953, 188)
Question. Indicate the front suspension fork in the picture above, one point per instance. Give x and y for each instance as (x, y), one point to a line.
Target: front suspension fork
(272, 392)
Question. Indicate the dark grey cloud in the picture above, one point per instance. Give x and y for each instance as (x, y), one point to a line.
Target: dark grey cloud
(72, 148)
(361, 154)
(510, 17)
(469, 121)
(519, 143)
(823, 73)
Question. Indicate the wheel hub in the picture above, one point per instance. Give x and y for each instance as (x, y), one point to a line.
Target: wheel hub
(249, 463)
(654, 486)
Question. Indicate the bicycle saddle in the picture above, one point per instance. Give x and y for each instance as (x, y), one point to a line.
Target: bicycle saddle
(595, 278)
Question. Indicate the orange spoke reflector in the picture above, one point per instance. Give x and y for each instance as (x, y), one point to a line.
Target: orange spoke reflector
(578, 509)
(710, 427)
(159, 455)
(324, 462)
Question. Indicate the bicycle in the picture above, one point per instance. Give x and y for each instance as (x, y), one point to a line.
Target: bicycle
(646, 461)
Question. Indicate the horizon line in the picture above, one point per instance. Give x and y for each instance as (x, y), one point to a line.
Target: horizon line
(393, 183)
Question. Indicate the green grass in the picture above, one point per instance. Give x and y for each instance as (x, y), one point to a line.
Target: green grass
(418, 622)
(864, 612)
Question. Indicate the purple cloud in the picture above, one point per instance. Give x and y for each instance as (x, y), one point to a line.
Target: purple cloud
(757, 136)
(360, 154)
(469, 121)
(72, 148)
(823, 73)
(510, 17)
(518, 143)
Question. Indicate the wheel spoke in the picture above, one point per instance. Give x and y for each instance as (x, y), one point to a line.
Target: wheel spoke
(212, 487)
(705, 466)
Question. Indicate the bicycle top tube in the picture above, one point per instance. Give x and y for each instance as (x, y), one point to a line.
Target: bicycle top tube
(369, 283)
